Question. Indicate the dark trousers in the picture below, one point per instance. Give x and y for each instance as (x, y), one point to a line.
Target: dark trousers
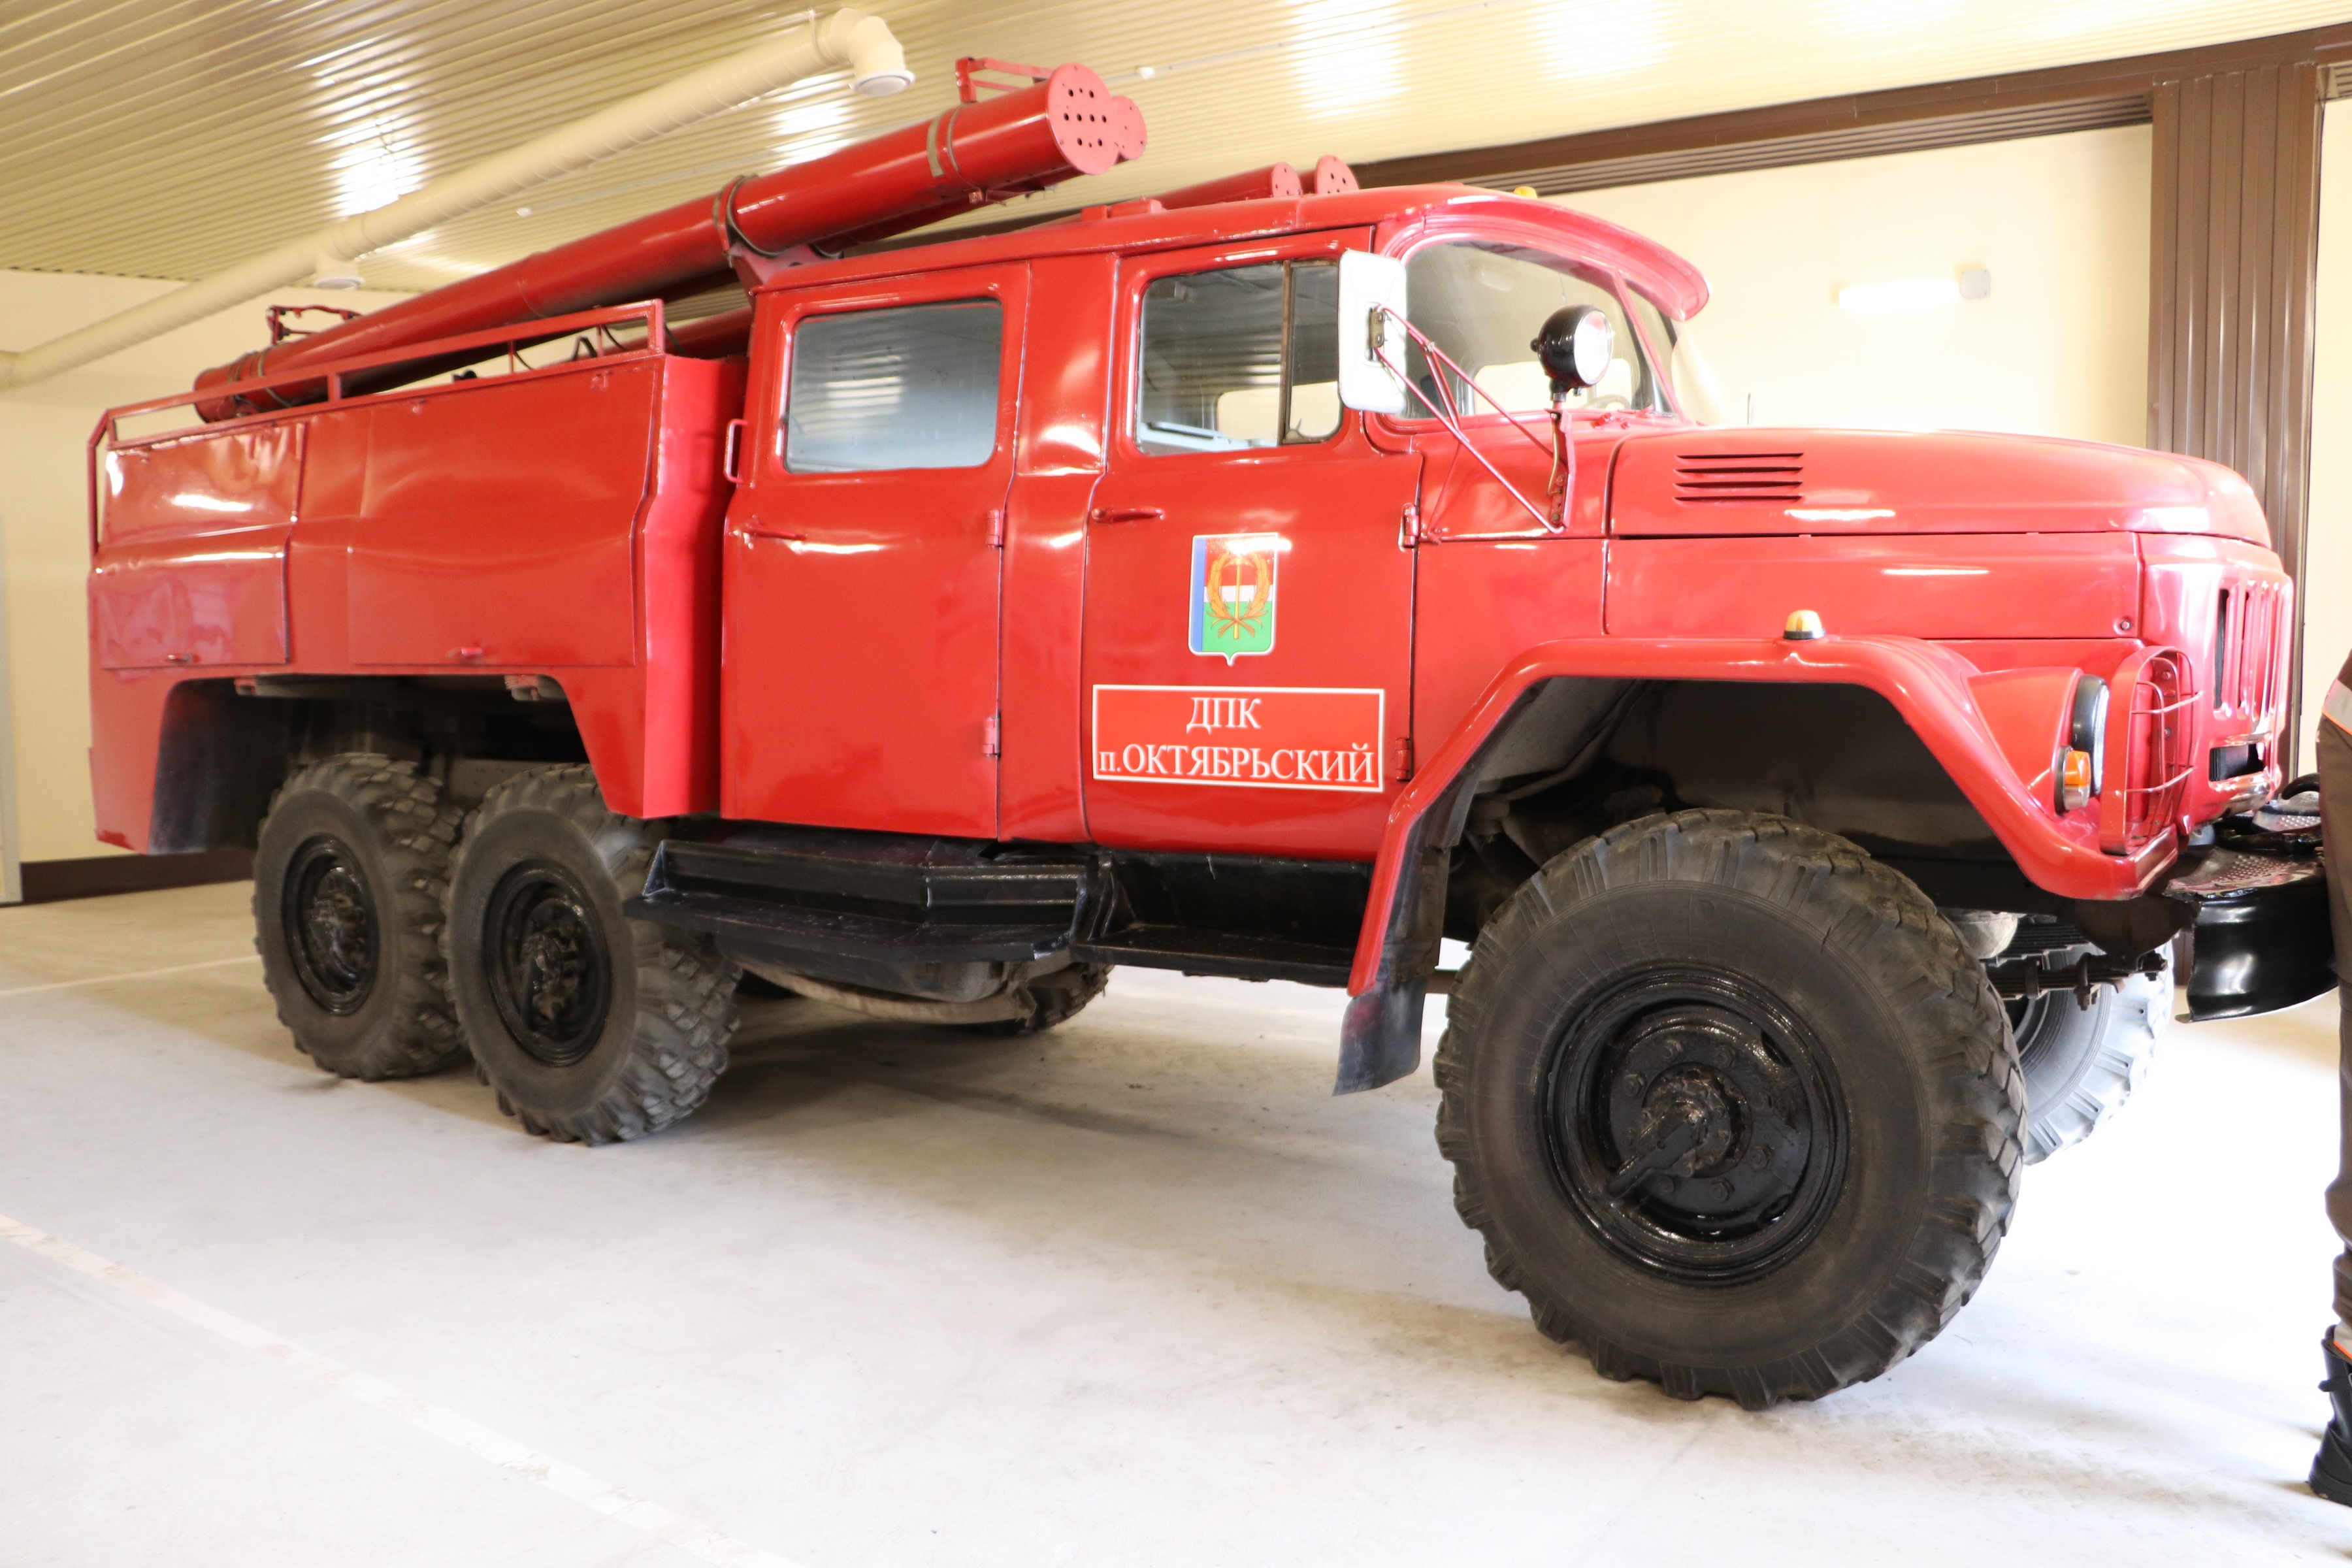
(2336, 809)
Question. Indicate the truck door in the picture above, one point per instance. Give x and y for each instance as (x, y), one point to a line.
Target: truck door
(1249, 601)
(859, 685)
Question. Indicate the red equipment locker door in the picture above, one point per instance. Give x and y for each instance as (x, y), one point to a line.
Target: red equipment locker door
(191, 562)
(859, 687)
(498, 521)
(1249, 597)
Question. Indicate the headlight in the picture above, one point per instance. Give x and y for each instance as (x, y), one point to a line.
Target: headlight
(2087, 730)
(2082, 762)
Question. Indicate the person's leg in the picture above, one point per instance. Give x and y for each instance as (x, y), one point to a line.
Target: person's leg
(2331, 1472)
(2335, 814)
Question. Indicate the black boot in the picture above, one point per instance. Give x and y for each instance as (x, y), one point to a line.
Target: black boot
(2331, 1471)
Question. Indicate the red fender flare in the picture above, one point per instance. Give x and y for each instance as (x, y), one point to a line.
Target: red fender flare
(1929, 686)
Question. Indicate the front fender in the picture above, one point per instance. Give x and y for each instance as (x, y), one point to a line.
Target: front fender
(1933, 689)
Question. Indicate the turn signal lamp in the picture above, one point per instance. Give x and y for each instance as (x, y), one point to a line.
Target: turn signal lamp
(2073, 780)
(1803, 625)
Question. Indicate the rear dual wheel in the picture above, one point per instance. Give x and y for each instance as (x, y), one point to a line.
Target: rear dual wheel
(591, 1026)
(349, 878)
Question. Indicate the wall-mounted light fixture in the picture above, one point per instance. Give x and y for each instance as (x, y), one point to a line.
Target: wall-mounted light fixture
(1915, 293)
(1899, 294)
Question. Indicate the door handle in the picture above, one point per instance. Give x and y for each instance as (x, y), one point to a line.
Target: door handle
(727, 463)
(1124, 514)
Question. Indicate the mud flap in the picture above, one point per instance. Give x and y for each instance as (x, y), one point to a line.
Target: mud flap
(1380, 1040)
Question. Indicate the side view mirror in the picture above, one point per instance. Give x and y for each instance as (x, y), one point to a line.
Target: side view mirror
(1368, 286)
(1576, 345)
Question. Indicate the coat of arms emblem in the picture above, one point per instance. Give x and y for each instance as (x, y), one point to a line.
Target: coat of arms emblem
(1233, 593)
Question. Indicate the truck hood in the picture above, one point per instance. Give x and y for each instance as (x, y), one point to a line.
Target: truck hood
(1764, 481)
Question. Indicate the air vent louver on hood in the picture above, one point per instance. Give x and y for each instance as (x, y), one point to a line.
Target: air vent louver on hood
(1703, 477)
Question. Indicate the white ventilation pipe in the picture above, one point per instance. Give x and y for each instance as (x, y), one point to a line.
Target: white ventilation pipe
(848, 38)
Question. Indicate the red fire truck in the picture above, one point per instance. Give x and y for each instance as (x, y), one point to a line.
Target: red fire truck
(1271, 579)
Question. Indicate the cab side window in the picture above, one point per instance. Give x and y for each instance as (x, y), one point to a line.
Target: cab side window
(914, 387)
(1239, 357)
(1481, 304)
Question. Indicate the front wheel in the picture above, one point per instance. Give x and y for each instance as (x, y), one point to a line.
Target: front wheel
(2081, 1063)
(1732, 1106)
(591, 1026)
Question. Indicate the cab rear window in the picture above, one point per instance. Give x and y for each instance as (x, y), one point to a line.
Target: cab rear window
(913, 386)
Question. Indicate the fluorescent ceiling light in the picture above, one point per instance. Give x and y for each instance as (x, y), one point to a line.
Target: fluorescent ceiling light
(1901, 294)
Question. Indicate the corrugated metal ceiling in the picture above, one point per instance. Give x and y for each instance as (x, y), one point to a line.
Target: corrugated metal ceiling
(170, 138)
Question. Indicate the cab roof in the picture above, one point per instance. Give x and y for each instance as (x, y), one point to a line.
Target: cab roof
(1395, 210)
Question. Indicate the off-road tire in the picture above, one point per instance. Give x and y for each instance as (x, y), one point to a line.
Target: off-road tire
(1892, 1049)
(1057, 998)
(365, 993)
(542, 853)
(2081, 1064)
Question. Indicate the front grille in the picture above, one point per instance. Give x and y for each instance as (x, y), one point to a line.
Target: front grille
(2227, 762)
(2246, 663)
(1704, 476)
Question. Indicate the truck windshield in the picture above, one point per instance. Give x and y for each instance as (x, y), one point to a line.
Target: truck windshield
(1482, 303)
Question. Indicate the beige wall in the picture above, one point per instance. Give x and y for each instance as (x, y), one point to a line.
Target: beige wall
(2059, 349)
(44, 525)
(2327, 560)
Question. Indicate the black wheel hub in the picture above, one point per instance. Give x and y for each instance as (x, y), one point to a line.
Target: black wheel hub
(1693, 1124)
(551, 972)
(329, 920)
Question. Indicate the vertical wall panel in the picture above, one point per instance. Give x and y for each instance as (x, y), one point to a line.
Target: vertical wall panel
(2326, 607)
(2235, 214)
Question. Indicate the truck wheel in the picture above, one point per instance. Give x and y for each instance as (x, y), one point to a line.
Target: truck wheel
(1058, 997)
(348, 881)
(592, 1027)
(2081, 1064)
(1732, 1106)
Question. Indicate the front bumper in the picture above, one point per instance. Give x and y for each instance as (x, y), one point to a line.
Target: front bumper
(2262, 939)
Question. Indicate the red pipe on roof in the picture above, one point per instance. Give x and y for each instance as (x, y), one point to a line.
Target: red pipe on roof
(968, 157)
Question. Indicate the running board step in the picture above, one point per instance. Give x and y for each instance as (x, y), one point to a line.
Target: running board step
(908, 899)
(1236, 955)
(869, 909)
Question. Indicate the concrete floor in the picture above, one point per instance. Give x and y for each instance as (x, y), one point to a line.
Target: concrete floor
(1142, 1292)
